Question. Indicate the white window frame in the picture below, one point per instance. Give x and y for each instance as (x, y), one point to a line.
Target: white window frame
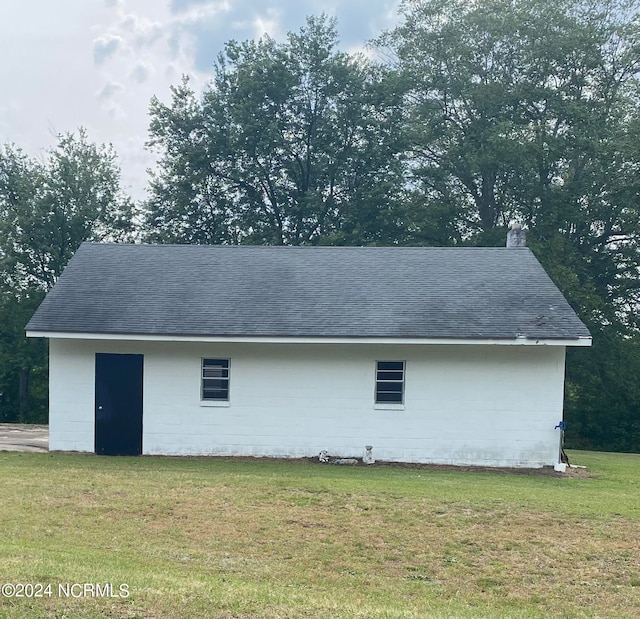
(215, 401)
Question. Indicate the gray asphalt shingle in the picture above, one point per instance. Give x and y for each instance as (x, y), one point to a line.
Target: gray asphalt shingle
(408, 292)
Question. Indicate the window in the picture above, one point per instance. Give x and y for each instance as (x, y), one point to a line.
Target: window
(389, 382)
(215, 380)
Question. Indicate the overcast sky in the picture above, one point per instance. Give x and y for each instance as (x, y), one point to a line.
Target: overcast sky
(97, 63)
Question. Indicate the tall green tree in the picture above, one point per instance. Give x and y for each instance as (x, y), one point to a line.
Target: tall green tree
(47, 209)
(23, 361)
(529, 110)
(292, 143)
(512, 103)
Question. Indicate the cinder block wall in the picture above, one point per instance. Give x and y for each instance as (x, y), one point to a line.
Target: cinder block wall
(489, 405)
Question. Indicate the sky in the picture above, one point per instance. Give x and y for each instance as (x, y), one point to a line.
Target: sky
(97, 63)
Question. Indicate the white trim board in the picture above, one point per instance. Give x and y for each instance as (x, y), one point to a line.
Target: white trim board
(145, 337)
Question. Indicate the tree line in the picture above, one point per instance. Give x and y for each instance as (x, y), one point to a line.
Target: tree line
(465, 116)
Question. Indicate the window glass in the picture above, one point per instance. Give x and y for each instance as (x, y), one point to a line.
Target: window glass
(215, 379)
(389, 382)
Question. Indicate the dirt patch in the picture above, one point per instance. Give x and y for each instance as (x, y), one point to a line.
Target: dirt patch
(577, 471)
(546, 471)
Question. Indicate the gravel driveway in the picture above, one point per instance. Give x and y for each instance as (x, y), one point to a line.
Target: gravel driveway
(23, 437)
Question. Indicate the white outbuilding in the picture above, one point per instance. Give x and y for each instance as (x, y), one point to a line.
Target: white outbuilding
(431, 355)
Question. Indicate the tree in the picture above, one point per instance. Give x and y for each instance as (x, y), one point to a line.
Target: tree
(510, 101)
(292, 143)
(46, 210)
(602, 402)
(23, 361)
(529, 110)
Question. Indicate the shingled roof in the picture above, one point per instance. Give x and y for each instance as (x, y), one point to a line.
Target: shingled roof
(346, 292)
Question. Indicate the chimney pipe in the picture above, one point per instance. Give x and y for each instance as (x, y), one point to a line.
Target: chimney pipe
(517, 236)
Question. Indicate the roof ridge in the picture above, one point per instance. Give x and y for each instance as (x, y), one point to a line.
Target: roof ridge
(301, 247)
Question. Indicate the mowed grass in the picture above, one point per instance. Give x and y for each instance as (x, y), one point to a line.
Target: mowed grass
(197, 537)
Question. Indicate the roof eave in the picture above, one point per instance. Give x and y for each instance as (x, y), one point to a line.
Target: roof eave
(280, 339)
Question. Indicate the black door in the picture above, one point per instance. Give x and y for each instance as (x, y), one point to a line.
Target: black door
(118, 404)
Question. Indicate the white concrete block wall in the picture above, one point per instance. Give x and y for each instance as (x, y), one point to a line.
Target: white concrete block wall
(464, 404)
(71, 397)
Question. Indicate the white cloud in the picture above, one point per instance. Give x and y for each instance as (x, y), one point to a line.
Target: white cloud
(267, 24)
(141, 72)
(116, 112)
(109, 91)
(182, 6)
(140, 31)
(105, 46)
(98, 63)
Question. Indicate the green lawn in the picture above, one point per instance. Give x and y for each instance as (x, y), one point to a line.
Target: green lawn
(197, 537)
